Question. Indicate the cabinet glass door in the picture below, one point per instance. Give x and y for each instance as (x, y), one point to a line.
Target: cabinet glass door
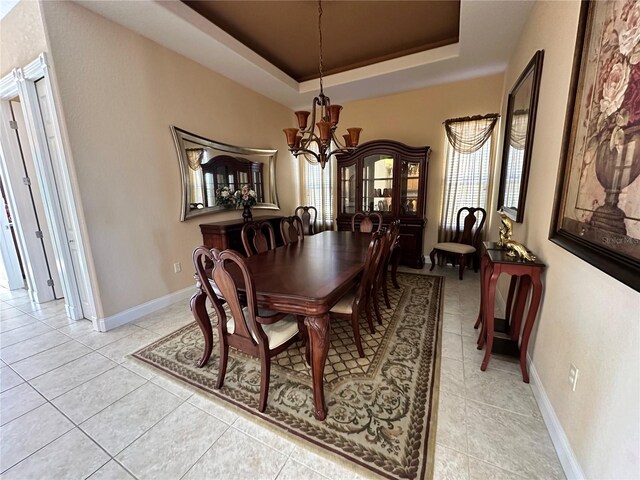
(409, 181)
(348, 189)
(377, 183)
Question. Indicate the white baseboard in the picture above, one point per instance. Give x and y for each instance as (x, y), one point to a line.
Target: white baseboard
(139, 311)
(568, 460)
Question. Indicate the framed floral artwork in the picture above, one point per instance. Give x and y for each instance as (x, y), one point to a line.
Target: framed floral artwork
(597, 206)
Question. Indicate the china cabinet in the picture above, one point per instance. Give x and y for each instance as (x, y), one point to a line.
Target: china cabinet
(232, 172)
(391, 178)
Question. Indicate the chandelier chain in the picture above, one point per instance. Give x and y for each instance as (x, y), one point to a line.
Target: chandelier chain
(320, 36)
(321, 144)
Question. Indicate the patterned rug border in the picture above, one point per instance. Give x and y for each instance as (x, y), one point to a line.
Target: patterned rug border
(310, 443)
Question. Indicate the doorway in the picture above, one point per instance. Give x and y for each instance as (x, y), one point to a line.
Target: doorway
(12, 276)
(33, 160)
(32, 209)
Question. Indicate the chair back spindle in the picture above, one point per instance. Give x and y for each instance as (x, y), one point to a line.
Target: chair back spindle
(308, 215)
(291, 229)
(257, 237)
(366, 222)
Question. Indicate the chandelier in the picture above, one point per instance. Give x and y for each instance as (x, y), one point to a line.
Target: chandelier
(318, 146)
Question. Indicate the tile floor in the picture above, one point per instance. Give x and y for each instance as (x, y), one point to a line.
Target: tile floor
(73, 406)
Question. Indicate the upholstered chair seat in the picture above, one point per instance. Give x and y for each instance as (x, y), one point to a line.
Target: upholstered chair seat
(345, 304)
(278, 333)
(459, 248)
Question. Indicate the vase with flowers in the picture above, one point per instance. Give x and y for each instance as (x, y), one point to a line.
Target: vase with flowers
(246, 198)
(613, 106)
(225, 197)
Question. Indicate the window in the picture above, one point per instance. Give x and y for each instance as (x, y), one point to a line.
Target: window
(317, 190)
(467, 171)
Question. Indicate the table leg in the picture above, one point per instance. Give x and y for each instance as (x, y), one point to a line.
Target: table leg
(515, 320)
(536, 294)
(199, 310)
(483, 266)
(510, 296)
(487, 270)
(488, 326)
(318, 329)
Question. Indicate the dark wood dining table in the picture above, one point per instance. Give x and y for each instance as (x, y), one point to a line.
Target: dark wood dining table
(305, 278)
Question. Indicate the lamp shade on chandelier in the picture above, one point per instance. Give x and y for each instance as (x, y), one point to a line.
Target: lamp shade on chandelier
(316, 140)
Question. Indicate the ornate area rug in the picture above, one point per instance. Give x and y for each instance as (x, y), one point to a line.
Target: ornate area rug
(381, 408)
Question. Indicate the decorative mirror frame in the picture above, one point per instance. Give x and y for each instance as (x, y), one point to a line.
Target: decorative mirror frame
(532, 70)
(266, 156)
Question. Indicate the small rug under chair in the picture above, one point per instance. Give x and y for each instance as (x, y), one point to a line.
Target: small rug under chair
(381, 408)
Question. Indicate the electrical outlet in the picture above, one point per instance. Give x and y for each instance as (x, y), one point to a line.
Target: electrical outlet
(573, 376)
(177, 267)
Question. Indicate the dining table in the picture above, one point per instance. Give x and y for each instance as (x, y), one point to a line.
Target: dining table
(304, 278)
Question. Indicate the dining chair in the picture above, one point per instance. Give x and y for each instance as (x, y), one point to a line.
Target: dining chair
(351, 304)
(393, 236)
(254, 332)
(291, 229)
(257, 237)
(308, 215)
(366, 222)
(466, 240)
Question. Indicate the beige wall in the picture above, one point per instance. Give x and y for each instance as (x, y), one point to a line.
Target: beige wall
(118, 126)
(586, 318)
(21, 36)
(416, 117)
(119, 93)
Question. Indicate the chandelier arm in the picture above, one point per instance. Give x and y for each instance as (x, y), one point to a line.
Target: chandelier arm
(339, 150)
(312, 137)
(305, 151)
(335, 140)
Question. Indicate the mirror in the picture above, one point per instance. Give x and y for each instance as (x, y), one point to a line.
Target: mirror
(207, 165)
(518, 139)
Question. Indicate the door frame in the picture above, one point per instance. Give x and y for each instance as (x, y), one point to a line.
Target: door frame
(55, 189)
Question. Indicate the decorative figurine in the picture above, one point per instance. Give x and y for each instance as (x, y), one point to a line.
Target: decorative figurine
(513, 248)
(506, 229)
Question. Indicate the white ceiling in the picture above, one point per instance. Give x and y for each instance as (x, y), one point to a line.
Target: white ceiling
(6, 6)
(488, 31)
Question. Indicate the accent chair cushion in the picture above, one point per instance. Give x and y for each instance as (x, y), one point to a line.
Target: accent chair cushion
(277, 333)
(345, 304)
(452, 247)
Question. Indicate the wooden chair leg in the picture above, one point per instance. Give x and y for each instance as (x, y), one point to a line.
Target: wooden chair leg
(463, 262)
(367, 309)
(224, 357)
(395, 261)
(199, 310)
(355, 323)
(265, 373)
(432, 256)
(385, 292)
(376, 307)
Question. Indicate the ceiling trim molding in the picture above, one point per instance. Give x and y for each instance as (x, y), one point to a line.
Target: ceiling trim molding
(488, 31)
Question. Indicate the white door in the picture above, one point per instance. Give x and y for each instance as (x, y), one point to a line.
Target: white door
(18, 190)
(38, 204)
(54, 148)
(10, 269)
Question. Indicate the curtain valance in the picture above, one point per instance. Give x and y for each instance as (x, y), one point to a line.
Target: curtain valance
(467, 135)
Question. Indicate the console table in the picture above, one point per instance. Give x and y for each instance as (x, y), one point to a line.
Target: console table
(224, 235)
(502, 335)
